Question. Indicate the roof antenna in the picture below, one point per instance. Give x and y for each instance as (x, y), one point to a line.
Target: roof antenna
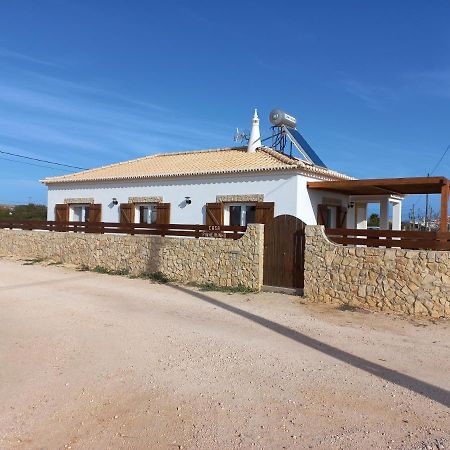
(254, 141)
(241, 136)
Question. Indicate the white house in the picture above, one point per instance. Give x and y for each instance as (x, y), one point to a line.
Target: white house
(229, 186)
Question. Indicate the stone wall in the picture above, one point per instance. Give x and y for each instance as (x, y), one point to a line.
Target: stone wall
(415, 282)
(224, 262)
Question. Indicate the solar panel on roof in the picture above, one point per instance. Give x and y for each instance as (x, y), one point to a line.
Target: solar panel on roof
(303, 147)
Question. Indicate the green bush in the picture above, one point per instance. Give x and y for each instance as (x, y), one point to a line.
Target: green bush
(104, 270)
(158, 277)
(240, 289)
(24, 212)
(30, 262)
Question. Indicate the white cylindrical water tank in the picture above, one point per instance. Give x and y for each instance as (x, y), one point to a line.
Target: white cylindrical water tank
(278, 118)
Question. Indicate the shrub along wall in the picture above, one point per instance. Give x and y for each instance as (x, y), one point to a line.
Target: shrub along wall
(410, 281)
(224, 262)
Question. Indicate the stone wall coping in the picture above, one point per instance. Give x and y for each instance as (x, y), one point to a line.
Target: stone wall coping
(79, 201)
(150, 199)
(240, 198)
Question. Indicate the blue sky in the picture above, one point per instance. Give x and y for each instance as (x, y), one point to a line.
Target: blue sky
(93, 82)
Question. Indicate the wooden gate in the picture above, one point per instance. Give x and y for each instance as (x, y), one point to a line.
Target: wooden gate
(284, 245)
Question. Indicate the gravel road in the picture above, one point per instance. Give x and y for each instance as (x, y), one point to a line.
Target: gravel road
(92, 361)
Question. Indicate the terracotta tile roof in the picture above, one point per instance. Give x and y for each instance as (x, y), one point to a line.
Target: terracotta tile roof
(202, 162)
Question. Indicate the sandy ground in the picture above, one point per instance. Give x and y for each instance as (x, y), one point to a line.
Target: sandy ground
(96, 361)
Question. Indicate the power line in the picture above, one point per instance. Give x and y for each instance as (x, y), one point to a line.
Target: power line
(42, 160)
(442, 157)
(31, 164)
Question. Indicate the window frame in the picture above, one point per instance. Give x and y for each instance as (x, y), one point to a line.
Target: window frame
(137, 212)
(243, 206)
(84, 208)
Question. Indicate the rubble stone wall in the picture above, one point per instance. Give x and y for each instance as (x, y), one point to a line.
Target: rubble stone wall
(415, 282)
(223, 262)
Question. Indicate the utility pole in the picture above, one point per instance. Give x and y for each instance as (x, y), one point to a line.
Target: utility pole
(434, 169)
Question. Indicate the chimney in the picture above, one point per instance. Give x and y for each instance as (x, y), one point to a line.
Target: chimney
(255, 137)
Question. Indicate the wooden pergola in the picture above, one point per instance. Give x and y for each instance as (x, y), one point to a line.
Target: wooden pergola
(392, 186)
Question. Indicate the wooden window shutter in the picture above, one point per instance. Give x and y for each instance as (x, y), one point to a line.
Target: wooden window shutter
(214, 213)
(62, 213)
(95, 213)
(126, 213)
(341, 216)
(163, 213)
(322, 213)
(265, 212)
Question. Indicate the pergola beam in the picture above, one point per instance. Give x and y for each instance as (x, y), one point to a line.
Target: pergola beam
(444, 207)
(397, 186)
(389, 191)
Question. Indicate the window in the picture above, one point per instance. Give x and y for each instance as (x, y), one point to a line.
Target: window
(147, 214)
(240, 214)
(331, 217)
(79, 213)
(250, 214)
(235, 215)
(328, 224)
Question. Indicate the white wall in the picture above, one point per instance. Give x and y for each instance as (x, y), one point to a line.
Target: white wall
(308, 209)
(288, 191)
(279, 188)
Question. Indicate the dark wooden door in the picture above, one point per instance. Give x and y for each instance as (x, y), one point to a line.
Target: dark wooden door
(284, 245)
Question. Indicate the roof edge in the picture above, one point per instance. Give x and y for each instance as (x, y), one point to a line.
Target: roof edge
(290, 164)
(121, 163)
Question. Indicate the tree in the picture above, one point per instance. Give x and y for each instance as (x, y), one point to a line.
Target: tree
(374, 220)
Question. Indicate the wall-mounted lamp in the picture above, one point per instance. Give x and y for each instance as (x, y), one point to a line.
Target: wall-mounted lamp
(351, 205)
(114, 201)
(188, 200)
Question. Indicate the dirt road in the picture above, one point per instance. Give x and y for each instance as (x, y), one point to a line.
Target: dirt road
(95, 361)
